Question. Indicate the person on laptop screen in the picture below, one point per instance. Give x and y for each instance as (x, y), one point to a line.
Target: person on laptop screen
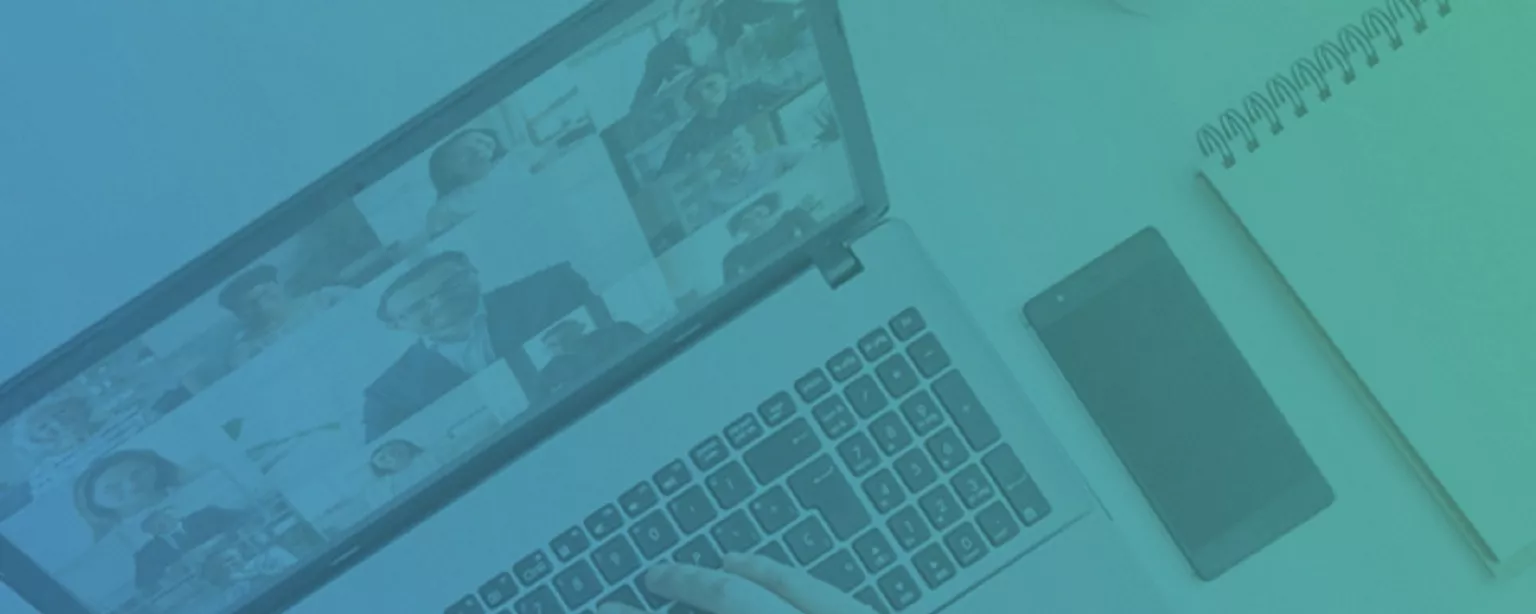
(59, 427)
(761, 229)
(739, 170)
(705, 28)
(718, 108)
(123, 484)
(174, 537)
(266, 310)
(577, 349)
(462, 329)
(462, 161)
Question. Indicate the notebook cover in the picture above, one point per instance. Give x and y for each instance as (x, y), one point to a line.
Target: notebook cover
(1402, 213)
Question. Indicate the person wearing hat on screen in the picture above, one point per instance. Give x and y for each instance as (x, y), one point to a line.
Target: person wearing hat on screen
(462, 329)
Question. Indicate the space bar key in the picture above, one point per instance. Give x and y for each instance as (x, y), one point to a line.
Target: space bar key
(782, 451)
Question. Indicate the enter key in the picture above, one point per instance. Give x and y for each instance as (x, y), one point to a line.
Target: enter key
(821, 486)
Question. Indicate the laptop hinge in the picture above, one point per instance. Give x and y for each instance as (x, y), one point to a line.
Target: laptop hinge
(838, 264)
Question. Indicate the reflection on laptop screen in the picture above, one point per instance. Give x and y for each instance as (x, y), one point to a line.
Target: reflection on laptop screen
(393, 336)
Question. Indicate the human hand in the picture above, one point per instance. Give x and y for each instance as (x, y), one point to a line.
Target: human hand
(747, 585)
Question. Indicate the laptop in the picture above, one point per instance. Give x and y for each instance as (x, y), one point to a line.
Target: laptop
(630, 296)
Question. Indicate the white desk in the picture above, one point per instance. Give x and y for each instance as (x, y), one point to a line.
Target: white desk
(1076, 121)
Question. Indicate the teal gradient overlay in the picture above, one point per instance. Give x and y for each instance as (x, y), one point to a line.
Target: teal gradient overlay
(1020, 139)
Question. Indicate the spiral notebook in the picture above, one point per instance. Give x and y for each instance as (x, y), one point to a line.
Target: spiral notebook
(1390, 178)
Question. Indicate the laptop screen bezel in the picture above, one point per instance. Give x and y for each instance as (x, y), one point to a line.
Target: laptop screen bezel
(242, 248)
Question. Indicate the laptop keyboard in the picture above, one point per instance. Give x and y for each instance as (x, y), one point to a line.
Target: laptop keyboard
(882, 475)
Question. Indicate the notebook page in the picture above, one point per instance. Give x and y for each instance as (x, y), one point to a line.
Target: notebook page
(1403, 215)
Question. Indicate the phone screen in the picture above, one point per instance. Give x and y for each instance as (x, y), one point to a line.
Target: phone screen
(1186, 414)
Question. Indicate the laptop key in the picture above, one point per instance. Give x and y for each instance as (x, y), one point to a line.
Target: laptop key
(908, 324)
(789, 446)
(743, 431)
(775, 550)
(929, 355)
(615, 559)
(965, 409)
(637, 500)
(858, 454)
(774, 510)
(899, 588)
(1021, 492)
(915, 470)
(876, 344)
(833, 416)
(890, 433)
(1028, 501)
(625, 595)
(973, 487)
(822, 487)
(866, 397)
(568, 544)
(466, 605)
(922, 412)
(909, 528)
(653, 535)
(947, 450)
(897, 376)
(874, 551)
(1005, 466)
(934, 566)
(541, 601)
(778, 409)
(840, 571)
(844, 365)
(965, 544)
(997, 523)
(604, 522)
(577, 585)
(870, 596)
(672, 477)
(699, 552)
(532, 568)
(692, 510)
(813, 385)
(736, 533)
(883, 491)
(940, 506)
(709, 453)
(808, 540)
(500, 589)
(731, 485)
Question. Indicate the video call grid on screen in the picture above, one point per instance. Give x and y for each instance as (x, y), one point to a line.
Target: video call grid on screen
(404, 328)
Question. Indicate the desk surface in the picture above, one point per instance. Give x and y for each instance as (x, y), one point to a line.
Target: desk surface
(1022, 139)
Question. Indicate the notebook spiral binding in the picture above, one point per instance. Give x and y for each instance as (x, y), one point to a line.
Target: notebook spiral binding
(1356, 47)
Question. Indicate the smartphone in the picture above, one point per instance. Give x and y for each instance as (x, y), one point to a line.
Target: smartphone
(1181, 407)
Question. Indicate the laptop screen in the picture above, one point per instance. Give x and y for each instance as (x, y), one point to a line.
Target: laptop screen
(402, 330)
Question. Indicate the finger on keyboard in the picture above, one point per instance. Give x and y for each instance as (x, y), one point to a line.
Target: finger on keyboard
(800, 589)
(715, 591)
(618, 608)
